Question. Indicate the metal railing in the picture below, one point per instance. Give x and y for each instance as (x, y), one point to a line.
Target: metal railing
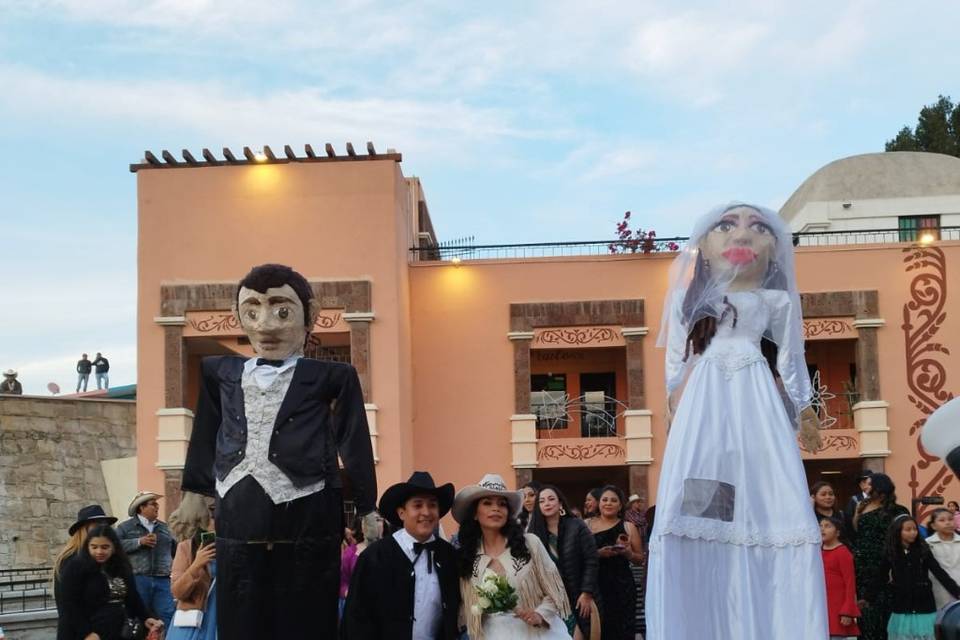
(26, 590)
(455, 251)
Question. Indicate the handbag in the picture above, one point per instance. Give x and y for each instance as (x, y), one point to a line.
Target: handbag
(192, 618)
(133, 629)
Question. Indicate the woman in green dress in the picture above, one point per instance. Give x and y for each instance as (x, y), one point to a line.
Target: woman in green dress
(871, 521)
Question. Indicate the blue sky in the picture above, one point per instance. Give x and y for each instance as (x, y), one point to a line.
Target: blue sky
(527, 121)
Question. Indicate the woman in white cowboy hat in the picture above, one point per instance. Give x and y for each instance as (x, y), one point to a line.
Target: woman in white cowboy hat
(491, 540)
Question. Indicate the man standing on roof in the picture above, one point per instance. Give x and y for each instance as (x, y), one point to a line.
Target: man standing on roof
(102, 366)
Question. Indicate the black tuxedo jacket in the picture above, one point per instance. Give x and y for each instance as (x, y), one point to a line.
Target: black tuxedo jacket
(380, 601)
(321, 415)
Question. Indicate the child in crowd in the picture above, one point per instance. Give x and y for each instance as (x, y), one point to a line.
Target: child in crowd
(842, 610)
(945, 547)
(907, 564)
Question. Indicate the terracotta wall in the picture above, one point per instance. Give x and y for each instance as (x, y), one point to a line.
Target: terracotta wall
(212, 224)
(463, 363)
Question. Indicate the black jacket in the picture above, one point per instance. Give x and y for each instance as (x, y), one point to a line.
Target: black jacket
(82, 602)
(321, 415)
(380, 601)
(102, 365)
(908, 579)
(84, 366)
(578, 558)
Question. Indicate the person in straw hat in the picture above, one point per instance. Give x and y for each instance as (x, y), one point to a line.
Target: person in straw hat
(10, 385)
(150, 545)
(406, 585)
(491, 541)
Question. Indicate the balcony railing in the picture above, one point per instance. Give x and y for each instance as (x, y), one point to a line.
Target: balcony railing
(455, 251)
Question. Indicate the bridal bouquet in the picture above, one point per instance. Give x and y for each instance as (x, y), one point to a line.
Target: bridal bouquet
(494, 595)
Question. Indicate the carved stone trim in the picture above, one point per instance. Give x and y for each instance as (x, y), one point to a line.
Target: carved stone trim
(170, 321)
(531, 315)
(359, 316)
(634, 331)
(864, 323)
(520, 335)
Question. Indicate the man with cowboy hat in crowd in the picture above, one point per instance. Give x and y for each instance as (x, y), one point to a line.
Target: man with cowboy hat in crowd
(10, 385)
(150, 545)
(406, 585)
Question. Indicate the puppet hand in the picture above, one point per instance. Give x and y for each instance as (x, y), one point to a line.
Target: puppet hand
(371, 521)
(810, 430)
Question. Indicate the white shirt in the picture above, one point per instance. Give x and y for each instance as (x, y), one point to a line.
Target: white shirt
(264, 388)
(427, 602)
(947, 554)
(146, 523)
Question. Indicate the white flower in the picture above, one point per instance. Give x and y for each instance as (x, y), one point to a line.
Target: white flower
(483, 602)
(475, 610)
(489, 574)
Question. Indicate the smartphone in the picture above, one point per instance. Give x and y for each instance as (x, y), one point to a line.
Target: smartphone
(207, 537)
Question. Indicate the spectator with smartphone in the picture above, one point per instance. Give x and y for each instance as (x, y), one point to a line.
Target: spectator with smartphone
(193, 577)
(618, 544)
(149, 544)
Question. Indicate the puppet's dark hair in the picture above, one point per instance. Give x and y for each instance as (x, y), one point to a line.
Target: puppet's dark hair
(267, 276)
(703, 330)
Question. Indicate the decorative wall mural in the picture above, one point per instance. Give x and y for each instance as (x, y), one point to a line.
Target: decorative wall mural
(577, 337)
(558, 452)
(225, 322)
(923, 316)
(836, 443)
(826, 328)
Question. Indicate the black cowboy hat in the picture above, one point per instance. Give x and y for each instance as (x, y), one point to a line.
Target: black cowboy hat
(420, 483)
(90, 513)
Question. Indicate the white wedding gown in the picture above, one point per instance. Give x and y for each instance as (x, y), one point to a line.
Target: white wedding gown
(735, 548)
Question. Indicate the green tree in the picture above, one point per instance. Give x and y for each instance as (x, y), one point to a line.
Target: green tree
(937, 130)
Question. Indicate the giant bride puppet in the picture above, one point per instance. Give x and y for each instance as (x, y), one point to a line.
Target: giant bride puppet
(735, 548)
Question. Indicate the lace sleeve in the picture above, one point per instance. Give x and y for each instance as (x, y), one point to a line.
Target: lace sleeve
(786, 329)
(676, 345)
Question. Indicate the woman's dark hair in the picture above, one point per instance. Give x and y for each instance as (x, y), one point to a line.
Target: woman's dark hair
(356, 525)
(894, 546)
(933, 516)
(268, 276)
(881, 486)
(538, 523)
(594, 493)
(524, 516)
(614, 488)
(118, 564)
(470, 534)
(955, 504)
(815, 489)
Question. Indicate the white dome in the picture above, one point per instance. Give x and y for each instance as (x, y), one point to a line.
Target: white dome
(895, 174)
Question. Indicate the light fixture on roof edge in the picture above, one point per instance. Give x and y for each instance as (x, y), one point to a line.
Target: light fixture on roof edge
(927, 238)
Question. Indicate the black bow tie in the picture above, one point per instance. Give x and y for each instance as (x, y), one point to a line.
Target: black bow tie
(269, 363)
(418, 548)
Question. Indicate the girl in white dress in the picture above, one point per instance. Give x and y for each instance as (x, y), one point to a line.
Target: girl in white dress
(735, 548)
(491, 540)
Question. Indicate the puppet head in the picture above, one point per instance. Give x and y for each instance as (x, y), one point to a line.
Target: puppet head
(739, 247)
(276, 309)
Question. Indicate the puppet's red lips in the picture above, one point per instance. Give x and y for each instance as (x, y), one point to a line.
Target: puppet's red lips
(740, 255)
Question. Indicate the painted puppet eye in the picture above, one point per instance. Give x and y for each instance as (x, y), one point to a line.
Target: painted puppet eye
(723, 226)
(760, 227)
(283, 313)
(252, 314)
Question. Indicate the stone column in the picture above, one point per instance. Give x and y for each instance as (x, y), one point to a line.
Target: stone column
(638, 420)
(174, 360)
(523, 424)
(360, 348)
(870, 413)
(174, 421)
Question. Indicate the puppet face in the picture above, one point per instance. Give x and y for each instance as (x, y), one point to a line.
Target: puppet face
(739, 247)
(273, 321)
